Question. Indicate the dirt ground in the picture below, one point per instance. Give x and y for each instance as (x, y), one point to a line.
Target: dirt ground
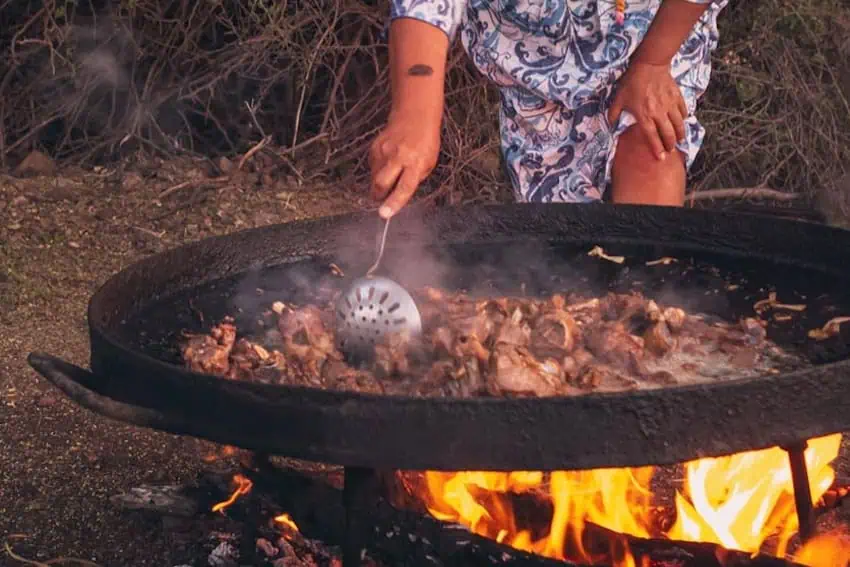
(61, 237)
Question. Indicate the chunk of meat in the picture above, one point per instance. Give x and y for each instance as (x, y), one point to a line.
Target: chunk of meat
(306, 337)
(211, 353)
(557, 329)
(502, 346)
(754, 329)
(515, 331)
(675, 318)
(623, 306)
(339, 376)
(658, 339)
(612, 342)
(392, 356)
(245, 358)
(603, 377)
(515, 371)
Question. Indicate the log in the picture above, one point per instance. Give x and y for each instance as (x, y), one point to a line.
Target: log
(742, 193)
(167, 500)
(832, 499)
(404, 537)
(392, 536)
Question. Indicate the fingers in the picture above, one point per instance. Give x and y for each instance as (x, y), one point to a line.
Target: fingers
(678, 125)
(667, 133)
(404, 190)
(614, 111)
(396, 174)
(653, 139)
(683, 107)
(384, 178)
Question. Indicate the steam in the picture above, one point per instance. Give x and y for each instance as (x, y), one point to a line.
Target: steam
(418, 255)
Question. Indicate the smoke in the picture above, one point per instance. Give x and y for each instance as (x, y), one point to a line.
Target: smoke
(418, 253)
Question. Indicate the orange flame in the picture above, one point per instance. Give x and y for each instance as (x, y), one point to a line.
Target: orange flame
(737, 502)
(827, 550)
(287, 522)
(243, 487)
(219, 453)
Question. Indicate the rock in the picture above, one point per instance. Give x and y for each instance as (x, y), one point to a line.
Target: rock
(267, 548)
(225, 165)
(47, 401)
(833, 202)
(35, 164)
(225, 555)
(19, 200)
(131, 181)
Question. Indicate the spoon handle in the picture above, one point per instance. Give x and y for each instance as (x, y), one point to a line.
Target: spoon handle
(381, 245)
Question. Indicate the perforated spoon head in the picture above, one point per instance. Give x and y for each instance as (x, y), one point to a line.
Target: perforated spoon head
(371, 309)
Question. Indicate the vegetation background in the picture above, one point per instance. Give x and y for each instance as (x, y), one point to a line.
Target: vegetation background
(90, 81)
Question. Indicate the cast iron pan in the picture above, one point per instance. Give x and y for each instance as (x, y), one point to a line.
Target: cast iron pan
(726, 262)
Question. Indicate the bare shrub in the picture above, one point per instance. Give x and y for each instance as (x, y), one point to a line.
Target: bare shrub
(89, 81)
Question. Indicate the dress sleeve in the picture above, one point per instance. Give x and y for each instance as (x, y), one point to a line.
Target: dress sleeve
(443, 14)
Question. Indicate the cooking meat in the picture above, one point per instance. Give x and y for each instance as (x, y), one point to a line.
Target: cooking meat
(492, 346)
(515, 371)
(658, 339)
(556, 328)
(211, 353)
(612, 342)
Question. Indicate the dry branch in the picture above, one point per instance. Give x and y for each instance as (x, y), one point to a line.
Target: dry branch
(213, 78)
(742, 193)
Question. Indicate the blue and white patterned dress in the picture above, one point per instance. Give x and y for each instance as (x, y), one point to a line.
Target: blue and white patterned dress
(557, 63)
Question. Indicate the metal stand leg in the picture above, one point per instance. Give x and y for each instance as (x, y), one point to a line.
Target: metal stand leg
(802, 491)
(359, 497)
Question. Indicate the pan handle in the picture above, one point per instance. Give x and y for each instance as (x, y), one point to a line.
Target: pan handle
(76, 383)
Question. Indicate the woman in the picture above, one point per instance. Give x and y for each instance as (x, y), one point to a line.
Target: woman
(597, 95)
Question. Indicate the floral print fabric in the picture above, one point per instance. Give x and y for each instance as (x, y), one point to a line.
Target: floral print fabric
(557, 63)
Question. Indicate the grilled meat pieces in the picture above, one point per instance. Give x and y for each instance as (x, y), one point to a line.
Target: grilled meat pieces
(502, 346)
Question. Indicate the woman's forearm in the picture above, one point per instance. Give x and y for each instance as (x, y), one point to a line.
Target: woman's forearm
(418, 53)
(669, 30)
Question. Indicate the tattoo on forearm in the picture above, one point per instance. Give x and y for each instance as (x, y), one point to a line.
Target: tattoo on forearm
(420, 70)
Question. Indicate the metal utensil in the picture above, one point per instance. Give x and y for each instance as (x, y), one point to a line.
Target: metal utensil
(372, 308)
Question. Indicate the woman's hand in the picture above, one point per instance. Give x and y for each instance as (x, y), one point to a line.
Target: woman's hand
(648, 91)
(402, 156)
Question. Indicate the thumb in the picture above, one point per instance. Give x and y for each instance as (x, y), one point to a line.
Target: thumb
(407, 185)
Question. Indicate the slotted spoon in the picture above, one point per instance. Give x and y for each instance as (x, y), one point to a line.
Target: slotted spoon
(372, 308)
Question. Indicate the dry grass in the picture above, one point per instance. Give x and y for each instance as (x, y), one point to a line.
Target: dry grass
(95, 81)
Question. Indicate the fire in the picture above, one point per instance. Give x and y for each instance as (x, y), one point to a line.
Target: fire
(737, 501)
(243, 487)
(221, 452)
(829, 550)
(287, 522)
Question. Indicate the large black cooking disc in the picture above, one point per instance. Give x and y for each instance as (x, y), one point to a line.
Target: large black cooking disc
(726, 262)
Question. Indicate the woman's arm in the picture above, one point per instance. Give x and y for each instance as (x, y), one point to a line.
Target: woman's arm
(418, 52)
(669, 29)
(406, 151)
